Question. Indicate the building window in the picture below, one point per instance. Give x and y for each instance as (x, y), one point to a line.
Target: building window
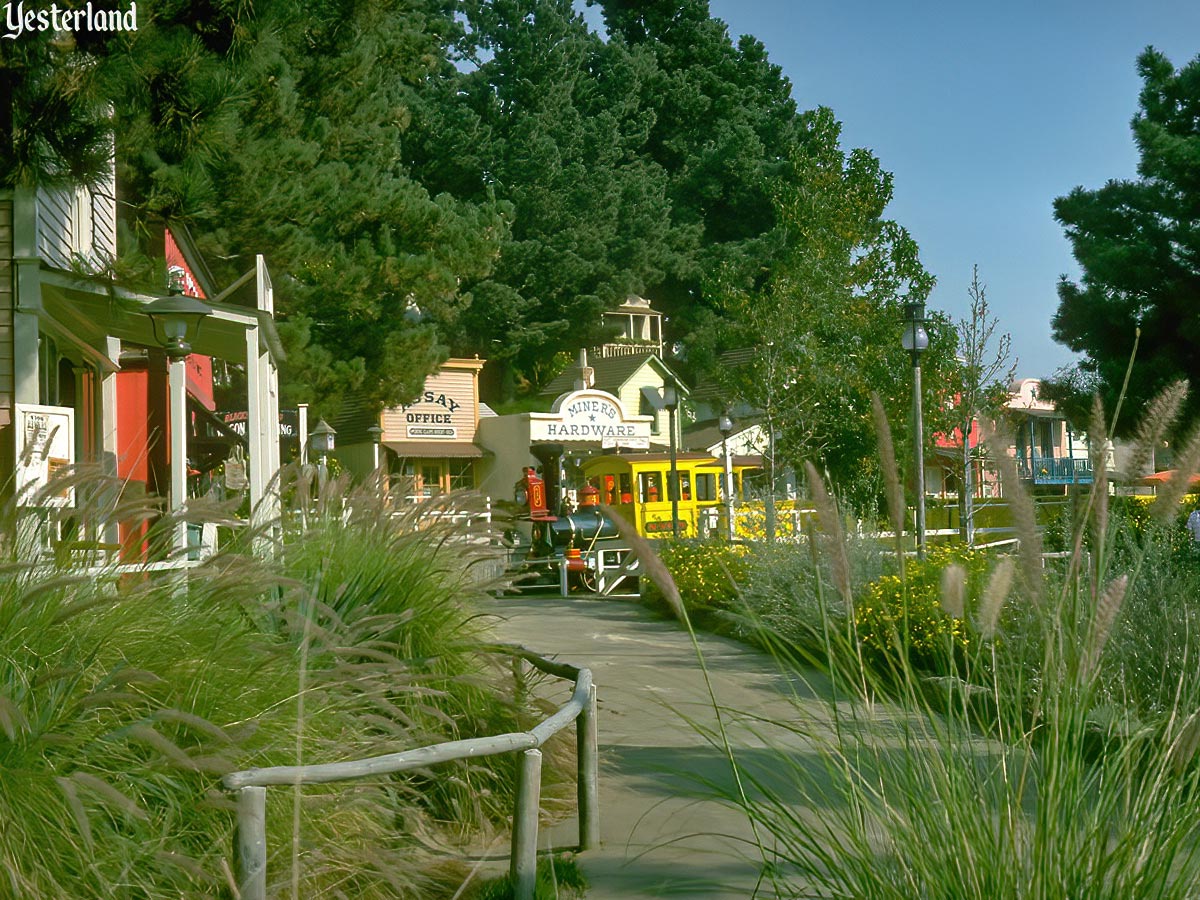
(462, 475)
(645, 409)
(404, 479)
(431, 479)
(685, 484)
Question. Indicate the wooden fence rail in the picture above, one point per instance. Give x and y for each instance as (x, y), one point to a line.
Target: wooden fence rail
(250, 786)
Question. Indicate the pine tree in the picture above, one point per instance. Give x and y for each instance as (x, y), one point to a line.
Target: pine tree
(280, 129)
(1139, 248)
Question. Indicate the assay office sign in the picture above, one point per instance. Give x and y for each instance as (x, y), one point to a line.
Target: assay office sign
(431, 416)
(590, 416)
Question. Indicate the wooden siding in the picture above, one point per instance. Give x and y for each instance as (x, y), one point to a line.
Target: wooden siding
(449, 398)
(6, 312)
(631, 399)
(59, 233)
(55, 229)
(104, 217)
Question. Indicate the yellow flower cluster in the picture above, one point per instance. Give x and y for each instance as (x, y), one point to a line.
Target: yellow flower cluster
(894, 611)
(707, 573)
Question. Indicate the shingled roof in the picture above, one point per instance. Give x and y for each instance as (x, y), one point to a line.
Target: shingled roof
(610, 374)
(730, 359)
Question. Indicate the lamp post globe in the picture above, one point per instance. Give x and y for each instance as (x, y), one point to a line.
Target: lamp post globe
(322, 439)
(175, 318)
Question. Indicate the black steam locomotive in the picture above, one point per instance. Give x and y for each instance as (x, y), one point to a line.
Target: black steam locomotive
(582, 549)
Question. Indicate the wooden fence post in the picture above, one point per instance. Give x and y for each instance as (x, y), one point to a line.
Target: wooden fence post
(587, 785)
(525, 825)
(252, 842)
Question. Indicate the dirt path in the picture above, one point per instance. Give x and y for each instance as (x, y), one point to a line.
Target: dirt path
(660, 836)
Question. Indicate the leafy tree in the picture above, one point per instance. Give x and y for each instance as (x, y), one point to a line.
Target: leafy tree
(279, 128)
(981, 380)
(1138, 246)
(826, 325)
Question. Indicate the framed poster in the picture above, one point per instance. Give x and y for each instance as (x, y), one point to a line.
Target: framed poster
(45, 444)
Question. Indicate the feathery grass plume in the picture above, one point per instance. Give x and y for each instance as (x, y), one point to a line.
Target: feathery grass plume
(654, 568)
(1160, 415)
(994, 595)
(954, 587)
(1187, 464)
(1023, 512)
(831, 524)
(1098, 434)
(887, 457)
(1103, 618)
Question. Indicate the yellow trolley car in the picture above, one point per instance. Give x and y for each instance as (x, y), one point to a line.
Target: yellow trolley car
(637, 486)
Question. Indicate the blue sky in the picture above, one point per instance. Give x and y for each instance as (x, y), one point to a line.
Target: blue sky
(984, 112)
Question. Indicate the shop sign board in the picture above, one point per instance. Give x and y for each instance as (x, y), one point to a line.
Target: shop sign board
(590, 416)
(432, 432)
(434, 415)
(45, 444)
(289, 428)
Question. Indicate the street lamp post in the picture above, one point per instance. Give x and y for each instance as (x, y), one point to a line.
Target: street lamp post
(322, 441)
(916, 340)
(376, 433)
(725, 426)
(671, 403)
(172, 318)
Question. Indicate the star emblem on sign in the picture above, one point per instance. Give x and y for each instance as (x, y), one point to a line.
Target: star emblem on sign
(592, 417)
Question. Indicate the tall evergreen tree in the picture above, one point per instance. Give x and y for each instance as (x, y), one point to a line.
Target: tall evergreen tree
(1138, 245)
(724, 128)
(547, 120)
(279, 128)
(54, 123)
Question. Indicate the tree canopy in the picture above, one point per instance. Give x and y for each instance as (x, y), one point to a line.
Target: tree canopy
(487, 176)
(54, 125)
(826, 324)
(280, 129)
(1138, 246)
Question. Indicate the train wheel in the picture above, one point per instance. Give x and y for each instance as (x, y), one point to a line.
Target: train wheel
(588, 579)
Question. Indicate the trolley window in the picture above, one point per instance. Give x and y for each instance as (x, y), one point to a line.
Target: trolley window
(650, 487)
(685, 485)
(706, 487)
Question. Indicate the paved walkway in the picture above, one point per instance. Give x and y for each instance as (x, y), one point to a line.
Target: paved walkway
(660, 837)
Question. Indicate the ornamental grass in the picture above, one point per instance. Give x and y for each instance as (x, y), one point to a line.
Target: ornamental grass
(1016, 728)
(126, 695)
